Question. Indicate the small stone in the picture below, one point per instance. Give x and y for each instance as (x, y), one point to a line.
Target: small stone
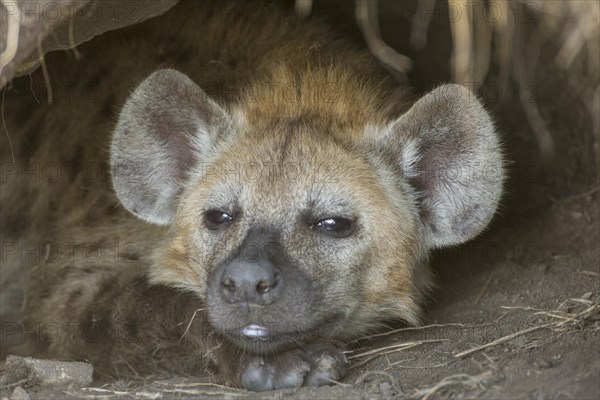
(587, 296)
(47, 373)
(19, 394)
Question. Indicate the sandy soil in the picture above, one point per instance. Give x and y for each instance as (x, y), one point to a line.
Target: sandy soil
(517, 311)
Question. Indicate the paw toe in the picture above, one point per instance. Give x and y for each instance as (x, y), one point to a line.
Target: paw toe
(291, 375)
(326, 368)
(256, 375)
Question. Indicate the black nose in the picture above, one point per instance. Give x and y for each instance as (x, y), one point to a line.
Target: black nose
(257, 282)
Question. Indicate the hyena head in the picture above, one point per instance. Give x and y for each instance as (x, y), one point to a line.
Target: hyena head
(291, 232)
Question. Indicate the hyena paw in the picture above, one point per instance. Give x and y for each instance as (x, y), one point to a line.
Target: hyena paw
(328, 363)
(314, 365)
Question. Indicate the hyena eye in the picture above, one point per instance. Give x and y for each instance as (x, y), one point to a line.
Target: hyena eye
(336, 226)
(215, 219)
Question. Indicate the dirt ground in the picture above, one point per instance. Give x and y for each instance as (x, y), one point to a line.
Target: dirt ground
(516, 313)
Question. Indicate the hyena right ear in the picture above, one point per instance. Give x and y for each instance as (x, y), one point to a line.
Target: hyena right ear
(166, 126)
(449, 151)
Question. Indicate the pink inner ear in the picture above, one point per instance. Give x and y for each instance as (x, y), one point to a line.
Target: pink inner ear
(160, 130)
(455, 140)
(180, 147)
(436, 158)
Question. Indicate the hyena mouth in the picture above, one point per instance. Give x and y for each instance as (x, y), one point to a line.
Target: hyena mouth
(264, 338)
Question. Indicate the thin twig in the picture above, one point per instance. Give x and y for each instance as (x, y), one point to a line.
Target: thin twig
(12, 150)
(368, 21)
(395, 347)
(44, 70)
(12, 35)
(424, 327)
(501, 340)
(303, 8)
(484, 288)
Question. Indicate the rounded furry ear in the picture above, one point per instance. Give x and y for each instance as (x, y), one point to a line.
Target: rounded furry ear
(165, 127)
(449, 151)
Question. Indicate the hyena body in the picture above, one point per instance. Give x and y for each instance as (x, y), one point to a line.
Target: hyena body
(287, 194)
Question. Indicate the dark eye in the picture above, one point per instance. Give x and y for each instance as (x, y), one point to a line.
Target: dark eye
(336, 226)
(215, 219)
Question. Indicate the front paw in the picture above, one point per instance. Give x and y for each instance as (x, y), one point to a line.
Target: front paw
(313, 365)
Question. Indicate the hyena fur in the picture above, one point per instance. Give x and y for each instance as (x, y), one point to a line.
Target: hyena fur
(268, 194)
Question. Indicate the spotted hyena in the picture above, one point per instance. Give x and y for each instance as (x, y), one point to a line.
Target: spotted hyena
(228, 188)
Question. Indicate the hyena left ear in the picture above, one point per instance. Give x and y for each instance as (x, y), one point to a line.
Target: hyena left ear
(448, 150)
(167, 126)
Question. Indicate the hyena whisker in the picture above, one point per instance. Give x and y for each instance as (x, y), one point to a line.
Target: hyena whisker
(190, 323)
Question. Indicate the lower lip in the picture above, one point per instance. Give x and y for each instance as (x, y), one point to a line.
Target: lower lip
(256, 335)
(255, 332)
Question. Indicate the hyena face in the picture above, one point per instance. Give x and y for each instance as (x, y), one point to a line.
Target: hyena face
(284, 241)
(292, 233)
